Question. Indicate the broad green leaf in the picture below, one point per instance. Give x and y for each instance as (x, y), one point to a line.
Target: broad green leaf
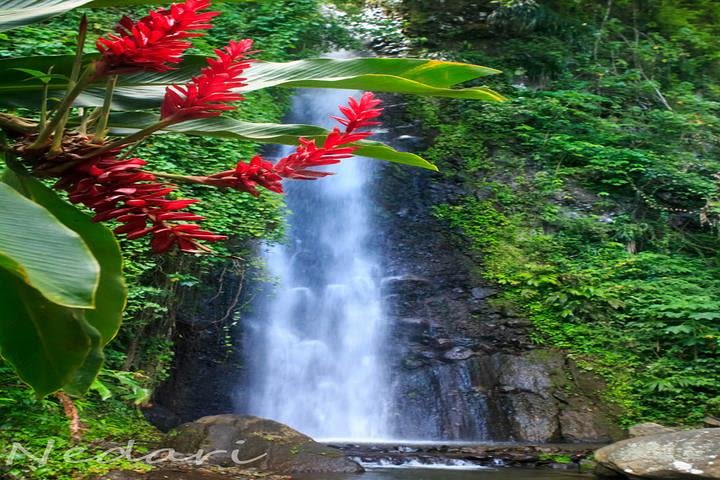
(396, 75)
(45, 343)
(16, 13)
(145, 90)
(84, 376)
(111, 293)
(285, 134)
(44, 253)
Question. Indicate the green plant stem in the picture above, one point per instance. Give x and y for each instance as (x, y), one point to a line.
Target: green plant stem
(130, 139)
(88, 120)
(43, 106)
(76, 85)
(56, 146)
(180, 178)
(63, 108)
(101, 128)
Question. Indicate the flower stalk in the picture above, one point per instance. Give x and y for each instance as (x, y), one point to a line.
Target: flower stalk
(44, 104)
(101, 129)
(63, 113)
(74, 90)
(129, 140)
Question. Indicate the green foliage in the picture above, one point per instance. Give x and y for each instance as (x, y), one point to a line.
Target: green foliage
(593, 193)
(33, 423)
(63, 292)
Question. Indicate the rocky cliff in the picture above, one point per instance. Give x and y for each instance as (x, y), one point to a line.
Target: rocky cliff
(462, 368)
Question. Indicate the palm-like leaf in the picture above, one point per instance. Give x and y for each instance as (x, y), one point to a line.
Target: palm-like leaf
(284, 134)
(145, 90)
(17, 13)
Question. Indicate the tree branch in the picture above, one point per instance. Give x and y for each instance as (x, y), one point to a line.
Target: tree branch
(76, 426)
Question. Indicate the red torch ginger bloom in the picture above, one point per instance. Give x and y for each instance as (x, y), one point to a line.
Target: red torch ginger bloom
(208, 94)
(247, 177)
(337, 145)
(120, 190)
(154, 42)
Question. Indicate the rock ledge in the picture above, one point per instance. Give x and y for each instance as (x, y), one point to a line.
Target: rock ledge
(685, 454)
(277, 447)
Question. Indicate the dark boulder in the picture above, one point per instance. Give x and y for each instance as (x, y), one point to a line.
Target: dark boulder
(277, 447)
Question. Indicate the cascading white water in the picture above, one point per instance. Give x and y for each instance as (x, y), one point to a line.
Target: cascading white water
(316, 342)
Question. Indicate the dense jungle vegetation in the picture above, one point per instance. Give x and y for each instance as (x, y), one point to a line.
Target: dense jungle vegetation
(139, 358)
(592, 195)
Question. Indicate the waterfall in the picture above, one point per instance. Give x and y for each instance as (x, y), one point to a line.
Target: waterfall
(316, 337)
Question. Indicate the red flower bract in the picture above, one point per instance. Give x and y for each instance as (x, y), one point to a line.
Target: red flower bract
(298, 165)
(247, 177)
(154, 42)
(207, 94)
(120, 190)
(357, 115)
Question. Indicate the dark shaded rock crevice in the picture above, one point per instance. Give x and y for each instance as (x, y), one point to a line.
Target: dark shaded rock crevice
(207, 366)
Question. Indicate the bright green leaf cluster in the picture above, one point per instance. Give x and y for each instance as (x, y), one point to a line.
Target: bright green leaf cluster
(63, 293)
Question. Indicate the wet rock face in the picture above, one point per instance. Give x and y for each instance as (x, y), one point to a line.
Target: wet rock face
(574, 457)
(686, 454)
(205, 371)
(277, 447)
(461, 368)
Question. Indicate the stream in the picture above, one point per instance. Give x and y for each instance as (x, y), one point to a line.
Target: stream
(451, 474)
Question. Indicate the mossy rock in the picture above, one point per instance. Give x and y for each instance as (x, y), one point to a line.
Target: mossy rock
(676, 455)
(277, 447)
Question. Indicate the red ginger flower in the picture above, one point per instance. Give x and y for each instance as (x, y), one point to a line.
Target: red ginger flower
(207, 94)
(247, 177)
(155, 41)
(337, 144)
(120, 190)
